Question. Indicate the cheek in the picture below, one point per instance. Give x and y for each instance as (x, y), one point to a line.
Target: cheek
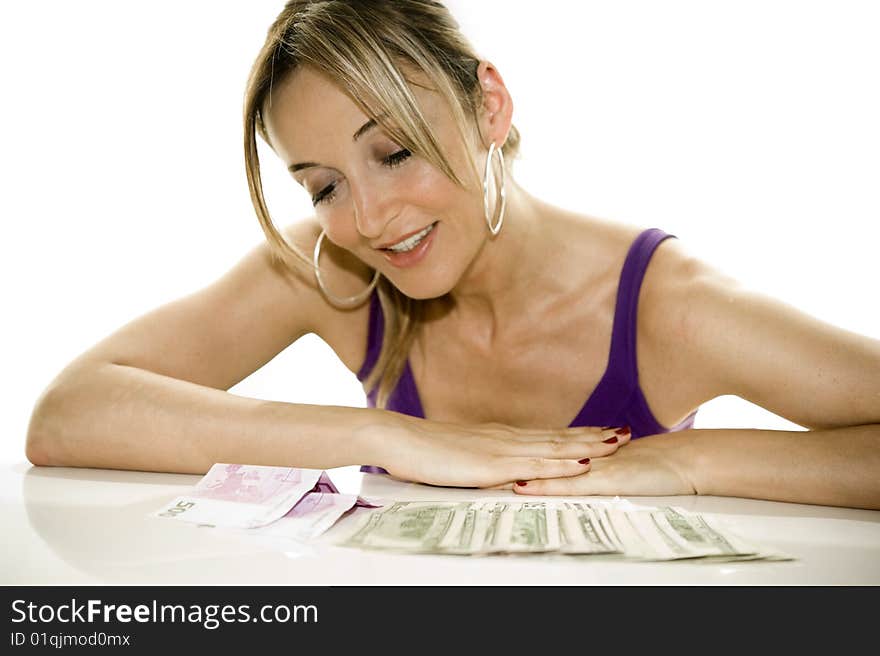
(342, 237)
(431, 190)
(340, 228)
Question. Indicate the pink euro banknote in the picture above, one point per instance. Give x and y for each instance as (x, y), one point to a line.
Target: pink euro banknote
(249, 496)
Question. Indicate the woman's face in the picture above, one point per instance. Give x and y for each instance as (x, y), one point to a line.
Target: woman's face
(396, 212)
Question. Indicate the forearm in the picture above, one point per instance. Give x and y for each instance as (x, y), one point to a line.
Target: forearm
(118, 417)
(835, 467)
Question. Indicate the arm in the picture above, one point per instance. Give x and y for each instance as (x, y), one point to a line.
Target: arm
(812, 373)
(120, 417)
(831, 467)
(744, 343)
(152, 395)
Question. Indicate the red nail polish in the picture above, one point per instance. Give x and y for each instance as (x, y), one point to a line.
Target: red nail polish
(585, 461)
(623, 431)
(521, 483)
(610, 440)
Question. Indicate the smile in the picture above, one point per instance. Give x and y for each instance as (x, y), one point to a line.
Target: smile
(411, 242)
(414, 249)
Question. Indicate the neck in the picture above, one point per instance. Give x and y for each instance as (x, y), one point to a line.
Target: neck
(511, 268)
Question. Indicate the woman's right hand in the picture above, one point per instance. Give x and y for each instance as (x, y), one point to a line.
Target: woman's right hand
(490, 455)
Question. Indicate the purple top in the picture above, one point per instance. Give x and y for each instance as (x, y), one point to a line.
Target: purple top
(617, 400)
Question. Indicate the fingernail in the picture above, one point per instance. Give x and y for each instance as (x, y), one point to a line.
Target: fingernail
(521, 483)
(623, 431)
(610, 440)
(607, 427)
(585, 461)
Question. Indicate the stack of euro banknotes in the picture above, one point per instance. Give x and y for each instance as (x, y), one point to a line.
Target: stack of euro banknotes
(282, 502)
(303, 504)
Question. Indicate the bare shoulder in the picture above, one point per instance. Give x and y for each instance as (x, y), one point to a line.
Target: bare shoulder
(676, 293)
(672, 266)
(678, 289)
(675, 281)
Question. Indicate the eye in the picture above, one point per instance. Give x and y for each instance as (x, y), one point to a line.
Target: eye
(325, 195)
(329, 192)
(396, 159)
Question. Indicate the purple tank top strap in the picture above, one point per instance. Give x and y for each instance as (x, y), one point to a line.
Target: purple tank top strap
(623, 338)
(375, 333)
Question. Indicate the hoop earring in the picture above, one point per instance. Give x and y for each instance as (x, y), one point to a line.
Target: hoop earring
(497, 227)
(345, 303)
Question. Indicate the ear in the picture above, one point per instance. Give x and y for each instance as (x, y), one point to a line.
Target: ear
(496, 112)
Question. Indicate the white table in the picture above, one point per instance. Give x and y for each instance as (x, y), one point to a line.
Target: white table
(88, 526)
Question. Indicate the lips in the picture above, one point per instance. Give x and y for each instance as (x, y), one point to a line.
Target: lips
(389, 244)
(412, 257)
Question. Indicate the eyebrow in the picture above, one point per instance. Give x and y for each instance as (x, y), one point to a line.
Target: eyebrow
(361, 131)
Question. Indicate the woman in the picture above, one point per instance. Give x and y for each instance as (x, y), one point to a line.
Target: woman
(504, 342)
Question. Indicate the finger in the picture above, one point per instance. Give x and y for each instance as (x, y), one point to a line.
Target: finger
(525, 469)
(503, 486)
(623, 436)
(562, 449)
(620, 438)
(570, 486)
(589, 434)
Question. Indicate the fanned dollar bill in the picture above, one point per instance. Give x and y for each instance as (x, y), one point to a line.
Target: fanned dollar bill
(409, 526)
(511, 527)
(522, 528)
(581, 531)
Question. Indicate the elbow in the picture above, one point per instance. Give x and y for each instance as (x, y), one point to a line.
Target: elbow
(37, 451)
(44, 434)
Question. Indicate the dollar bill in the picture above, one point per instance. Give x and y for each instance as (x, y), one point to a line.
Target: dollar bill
(494, 527)
(709, 536)
(467, 533)
(409, 526)
(522, 528)
(581, 531)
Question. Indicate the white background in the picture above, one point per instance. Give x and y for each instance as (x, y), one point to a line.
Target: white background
(748, 129)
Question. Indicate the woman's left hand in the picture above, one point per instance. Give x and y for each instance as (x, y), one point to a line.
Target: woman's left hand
(650, 466)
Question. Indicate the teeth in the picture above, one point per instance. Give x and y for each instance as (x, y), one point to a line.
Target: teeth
(412, 242)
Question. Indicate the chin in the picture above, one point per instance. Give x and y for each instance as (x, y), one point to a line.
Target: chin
(424, 292)
(426, 286)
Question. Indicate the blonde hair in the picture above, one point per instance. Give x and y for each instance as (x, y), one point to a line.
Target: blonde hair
(364, 46)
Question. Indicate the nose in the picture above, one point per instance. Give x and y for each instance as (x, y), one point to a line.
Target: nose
(374, 208)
